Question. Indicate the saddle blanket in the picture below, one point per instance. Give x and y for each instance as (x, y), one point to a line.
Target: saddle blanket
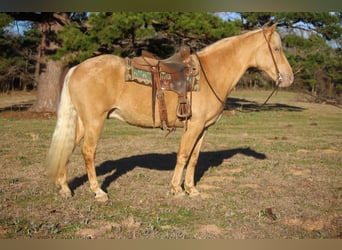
(181, 80)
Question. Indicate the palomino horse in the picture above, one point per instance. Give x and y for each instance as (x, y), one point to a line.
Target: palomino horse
(96, 89)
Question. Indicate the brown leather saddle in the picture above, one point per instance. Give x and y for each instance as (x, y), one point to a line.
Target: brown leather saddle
(178, 73)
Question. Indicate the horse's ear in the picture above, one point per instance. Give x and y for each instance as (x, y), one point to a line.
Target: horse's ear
(265, 26)
(273, 27)
(269, 31)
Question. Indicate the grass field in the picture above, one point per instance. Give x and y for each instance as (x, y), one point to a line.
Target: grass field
(271, 172)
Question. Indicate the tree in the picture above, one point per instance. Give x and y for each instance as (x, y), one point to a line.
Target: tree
(126, 34)
(7, 64)
(314, 47)
(49, 72)
(320, 65)
(326, 24)
(69, 38)
(312, 42)
(16, 56)
(57, 40)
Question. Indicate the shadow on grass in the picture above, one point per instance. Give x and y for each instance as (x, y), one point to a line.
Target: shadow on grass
(162, 162)
(244, 105)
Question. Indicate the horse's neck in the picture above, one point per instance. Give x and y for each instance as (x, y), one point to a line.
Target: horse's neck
(227, 60)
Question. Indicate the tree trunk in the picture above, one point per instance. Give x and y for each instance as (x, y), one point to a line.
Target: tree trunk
(49, 87)
(50, 73)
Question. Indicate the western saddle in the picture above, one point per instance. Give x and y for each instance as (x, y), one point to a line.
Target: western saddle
(178, 73)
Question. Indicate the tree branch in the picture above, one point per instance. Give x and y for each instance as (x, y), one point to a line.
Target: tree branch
(61, 17)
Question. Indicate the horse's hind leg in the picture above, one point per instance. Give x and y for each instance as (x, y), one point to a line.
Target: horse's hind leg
(62, 176)
(79, 131)
(91, 136)
(61, 181)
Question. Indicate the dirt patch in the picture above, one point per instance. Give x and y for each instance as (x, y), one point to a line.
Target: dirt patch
(207, 187)
(232, 171)
(17, 99)
(299, 172)
(303, 151)
(210, 229)
(16, 105)
(97, 229)
(224, 175)
(308, 224)
(323, 151)
(26, 115)
(250, 185)
(3, 232)
(130, 223)
(330, 151)
(216, 179)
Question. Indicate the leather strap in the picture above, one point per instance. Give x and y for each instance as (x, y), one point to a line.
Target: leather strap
(276, 68)
(272, 55)
(159, 94)
(222, 101)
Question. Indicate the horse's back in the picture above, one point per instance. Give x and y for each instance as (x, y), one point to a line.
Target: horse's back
(104, 64)
(96, 82)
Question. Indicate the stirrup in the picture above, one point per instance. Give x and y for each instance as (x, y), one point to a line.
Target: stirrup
(183, 110)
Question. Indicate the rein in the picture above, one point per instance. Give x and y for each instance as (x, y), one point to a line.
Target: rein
(210, 86)
(277, 84)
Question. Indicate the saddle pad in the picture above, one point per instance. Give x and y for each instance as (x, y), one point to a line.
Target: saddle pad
(178, 79)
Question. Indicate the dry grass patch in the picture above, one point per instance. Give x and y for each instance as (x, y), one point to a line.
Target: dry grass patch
(270, 172)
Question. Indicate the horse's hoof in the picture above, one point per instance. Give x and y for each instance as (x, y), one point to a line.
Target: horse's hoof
(177, 191)
(101, 196)
(65, 193)
(179, 194)
(192, 192)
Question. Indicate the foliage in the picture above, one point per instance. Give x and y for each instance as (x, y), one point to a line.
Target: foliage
(17, 60)
(127, 33)
(5, 20)
(326, 24)
(317, 64)
(312, 41)
(74, 41)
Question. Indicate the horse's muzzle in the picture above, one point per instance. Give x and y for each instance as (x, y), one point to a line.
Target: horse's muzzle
(285, 80)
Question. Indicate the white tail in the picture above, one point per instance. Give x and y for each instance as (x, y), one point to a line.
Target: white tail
(63, 139)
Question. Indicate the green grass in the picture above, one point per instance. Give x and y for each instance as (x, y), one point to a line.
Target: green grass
(285, 156)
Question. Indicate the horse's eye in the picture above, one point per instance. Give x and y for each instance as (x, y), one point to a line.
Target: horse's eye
(277, 49)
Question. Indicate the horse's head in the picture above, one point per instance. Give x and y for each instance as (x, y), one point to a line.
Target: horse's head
(270, 58)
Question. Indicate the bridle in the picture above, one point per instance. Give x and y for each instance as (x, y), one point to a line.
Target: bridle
(280, 78)
(277, 84)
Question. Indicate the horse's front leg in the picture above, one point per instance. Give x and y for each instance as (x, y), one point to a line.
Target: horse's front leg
(91, 137)
(189, 183)
(188, 142)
